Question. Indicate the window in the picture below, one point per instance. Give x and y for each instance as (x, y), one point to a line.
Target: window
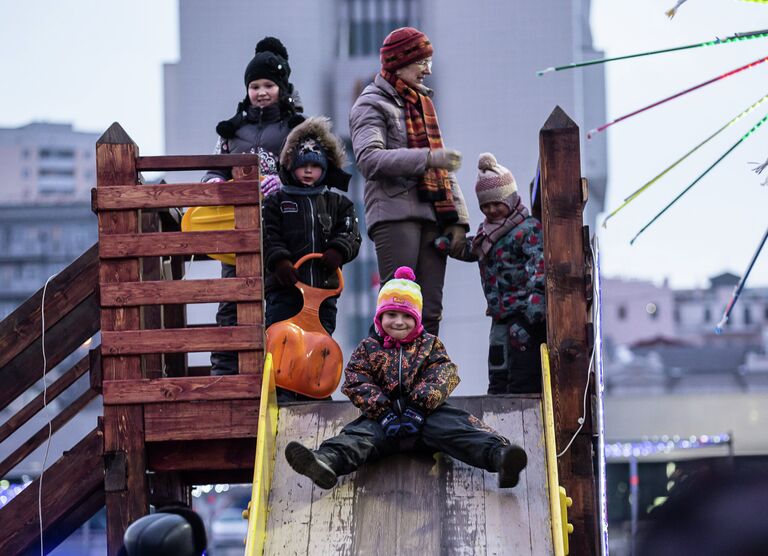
(676, 315)
(56, 153)
(57, 172)
(365, 23)
(622, 312)
(707, 314)
(747, 315)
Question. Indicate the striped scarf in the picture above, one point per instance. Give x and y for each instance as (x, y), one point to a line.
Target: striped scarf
(423, 131)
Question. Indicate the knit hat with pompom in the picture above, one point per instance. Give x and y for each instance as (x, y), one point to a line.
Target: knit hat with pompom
(402, 294)
(495, 184)
(270, 61)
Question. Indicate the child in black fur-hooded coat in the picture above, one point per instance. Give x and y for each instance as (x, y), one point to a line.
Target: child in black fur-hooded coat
(305, 216)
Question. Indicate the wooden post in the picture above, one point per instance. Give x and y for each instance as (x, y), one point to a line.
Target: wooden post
(151, 315)
(125, 484)
(249, 266)
(565, 262)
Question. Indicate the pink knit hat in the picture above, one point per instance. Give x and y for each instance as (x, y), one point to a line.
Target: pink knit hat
(402, 294)
(494, 182)
(404, 46)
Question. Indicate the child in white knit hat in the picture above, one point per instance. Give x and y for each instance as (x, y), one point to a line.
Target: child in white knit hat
(508, 248)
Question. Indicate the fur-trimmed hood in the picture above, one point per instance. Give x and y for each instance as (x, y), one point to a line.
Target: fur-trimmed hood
(318, 128)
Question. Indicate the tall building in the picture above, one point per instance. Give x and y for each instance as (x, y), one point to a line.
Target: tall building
(46, 175)
(486, 92)
(46, 163)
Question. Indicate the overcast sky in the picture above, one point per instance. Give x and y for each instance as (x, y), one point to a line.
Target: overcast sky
(92, 62)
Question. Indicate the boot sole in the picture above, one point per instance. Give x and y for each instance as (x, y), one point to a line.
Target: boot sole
(304, 462)
(512, 464)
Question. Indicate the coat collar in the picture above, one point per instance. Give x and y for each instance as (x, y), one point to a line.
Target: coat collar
(385, 86)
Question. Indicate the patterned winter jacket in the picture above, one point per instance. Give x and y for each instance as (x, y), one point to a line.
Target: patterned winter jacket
(513, 274)
(419, 374)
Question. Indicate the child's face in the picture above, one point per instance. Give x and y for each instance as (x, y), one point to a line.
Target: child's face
(397, 324)
(263, 92)
(495, 210)
(308, 174)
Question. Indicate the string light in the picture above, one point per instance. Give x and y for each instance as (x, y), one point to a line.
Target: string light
(663, 444)
(648, 184)
(687, 189)
(733, 38)
(676, 95)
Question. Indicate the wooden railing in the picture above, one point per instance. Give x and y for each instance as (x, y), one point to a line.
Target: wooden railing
(157, 415)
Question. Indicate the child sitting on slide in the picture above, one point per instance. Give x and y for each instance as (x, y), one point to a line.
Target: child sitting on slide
(400, 378)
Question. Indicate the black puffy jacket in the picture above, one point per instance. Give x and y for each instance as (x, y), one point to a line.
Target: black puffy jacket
(295, 225)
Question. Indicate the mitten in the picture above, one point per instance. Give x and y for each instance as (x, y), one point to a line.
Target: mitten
(270, 184)
(390, 422)
(448, 159)
(331, 259)
(286, 273)
(411, 422)
(458, 235)
(519, 338)
(214, 179)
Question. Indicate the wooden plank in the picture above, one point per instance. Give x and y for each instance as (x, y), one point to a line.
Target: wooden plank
(80, 466)
(60, 341)
(330, 528)
(151, 316)
(162, 292)
(116, 155)
(65, 291)
(536, 478)
(463, 514)
(231, 338)
(201, 420)
(290, 500)
(52, 392)
(249, 266)
(169, 489)
(178, 243)
(565, 263)
(175, 316)
(210, 455)
(41, 435)
(506, 510)
(194, 162)
(177, 195)
(161, 390)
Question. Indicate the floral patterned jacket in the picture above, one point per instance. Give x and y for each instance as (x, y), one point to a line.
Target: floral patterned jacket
(419, 374)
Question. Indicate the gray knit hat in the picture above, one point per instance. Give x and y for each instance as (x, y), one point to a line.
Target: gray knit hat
(494, 182)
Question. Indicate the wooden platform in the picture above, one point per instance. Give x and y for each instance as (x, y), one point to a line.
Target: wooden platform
(411, 504)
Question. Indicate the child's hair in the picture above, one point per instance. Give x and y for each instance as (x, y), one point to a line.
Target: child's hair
(402, 294)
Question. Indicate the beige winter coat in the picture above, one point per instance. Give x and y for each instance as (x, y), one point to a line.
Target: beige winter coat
(391, 170)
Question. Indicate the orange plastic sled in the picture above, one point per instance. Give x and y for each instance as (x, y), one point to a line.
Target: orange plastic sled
(305, 358)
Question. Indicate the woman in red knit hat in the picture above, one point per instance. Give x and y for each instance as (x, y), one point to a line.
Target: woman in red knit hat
(411, 193)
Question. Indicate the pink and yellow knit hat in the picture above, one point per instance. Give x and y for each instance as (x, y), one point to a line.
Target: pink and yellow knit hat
(403, 294)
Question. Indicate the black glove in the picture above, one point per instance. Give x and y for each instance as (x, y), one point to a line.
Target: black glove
(390, 422)
(286, 273)
(331, 259)
(411, 422)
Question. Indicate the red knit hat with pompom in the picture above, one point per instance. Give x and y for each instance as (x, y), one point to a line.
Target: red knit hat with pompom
(404, 46)
(402, 294)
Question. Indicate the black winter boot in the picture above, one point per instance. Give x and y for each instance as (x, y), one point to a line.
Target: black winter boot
(510, 461)
(308, 463)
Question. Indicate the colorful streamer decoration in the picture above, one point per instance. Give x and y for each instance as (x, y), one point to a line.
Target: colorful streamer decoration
(760, 167)
(656, 178)
(671, 12)
(687, 189)
(733, 38)
(677, 95)
(740, 286)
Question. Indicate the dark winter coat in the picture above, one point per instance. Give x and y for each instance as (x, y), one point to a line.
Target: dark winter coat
(391, 169)
(296, 223)
(513, 274)
(419, 374)
(259, 131)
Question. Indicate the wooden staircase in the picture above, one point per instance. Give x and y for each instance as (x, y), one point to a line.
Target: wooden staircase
(166, 426)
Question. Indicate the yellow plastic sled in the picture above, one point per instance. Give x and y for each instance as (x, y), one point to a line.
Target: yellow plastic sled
(211, 219)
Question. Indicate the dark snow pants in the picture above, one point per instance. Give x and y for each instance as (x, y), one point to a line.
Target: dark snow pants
(448, 429)
(514, 363)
